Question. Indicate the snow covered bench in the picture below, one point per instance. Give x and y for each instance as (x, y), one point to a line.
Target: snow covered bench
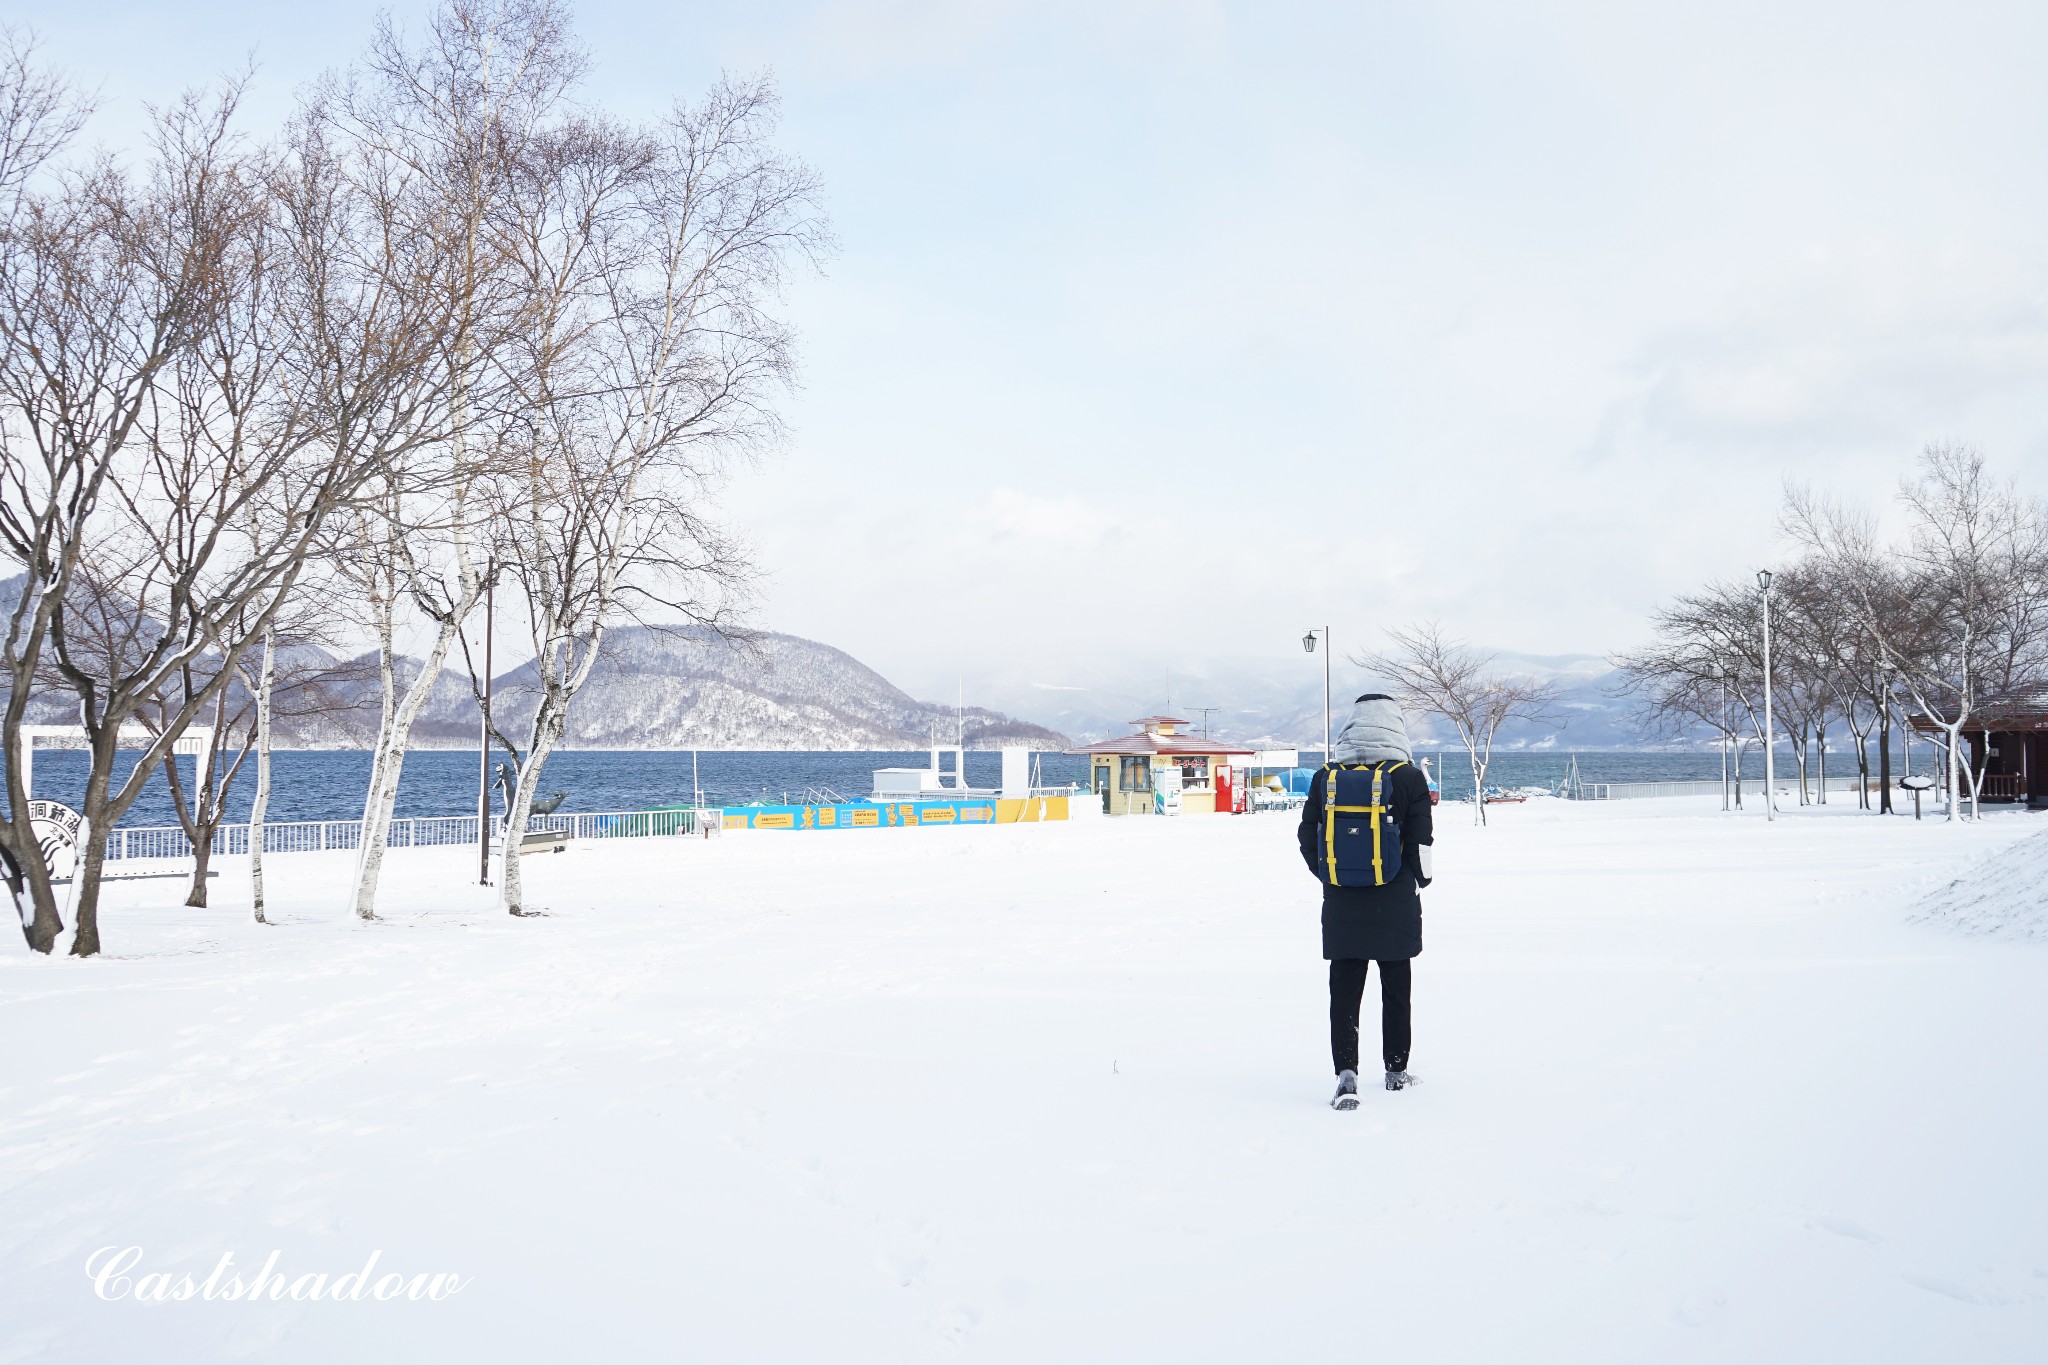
(545, 841)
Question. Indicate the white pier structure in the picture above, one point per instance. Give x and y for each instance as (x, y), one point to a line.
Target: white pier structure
(197, 740)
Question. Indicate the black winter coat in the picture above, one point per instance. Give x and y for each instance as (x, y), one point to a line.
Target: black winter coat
(1383, 923)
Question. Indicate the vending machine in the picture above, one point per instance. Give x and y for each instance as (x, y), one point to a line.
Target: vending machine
(1166, 791)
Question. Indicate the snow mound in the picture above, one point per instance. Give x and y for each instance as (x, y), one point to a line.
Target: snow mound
(2004, 898)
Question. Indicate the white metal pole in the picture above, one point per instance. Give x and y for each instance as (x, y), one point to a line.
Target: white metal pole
(1770, 729)
(1326, 696)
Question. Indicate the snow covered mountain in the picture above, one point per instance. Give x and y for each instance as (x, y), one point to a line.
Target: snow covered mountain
(684, 688)
(690, 688)
(1279, 703)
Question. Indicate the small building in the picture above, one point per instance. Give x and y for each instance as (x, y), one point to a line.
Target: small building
(2007, 741)
(1142, 773)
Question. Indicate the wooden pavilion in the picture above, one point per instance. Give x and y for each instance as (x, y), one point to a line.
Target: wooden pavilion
(2008, 744)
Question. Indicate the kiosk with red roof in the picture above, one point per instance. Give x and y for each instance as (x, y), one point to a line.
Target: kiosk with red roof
(1137, 774)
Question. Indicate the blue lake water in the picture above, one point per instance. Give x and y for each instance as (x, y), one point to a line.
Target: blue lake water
(328, 784)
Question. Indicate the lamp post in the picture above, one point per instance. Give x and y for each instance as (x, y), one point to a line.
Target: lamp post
(1763, 582)
(1308, 645)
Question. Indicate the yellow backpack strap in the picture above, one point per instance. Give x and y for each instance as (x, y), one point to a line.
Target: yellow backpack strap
(1379, 876)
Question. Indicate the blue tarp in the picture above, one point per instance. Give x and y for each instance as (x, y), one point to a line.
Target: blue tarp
(1295, 780)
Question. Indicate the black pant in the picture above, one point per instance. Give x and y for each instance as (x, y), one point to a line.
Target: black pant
(1347, 988)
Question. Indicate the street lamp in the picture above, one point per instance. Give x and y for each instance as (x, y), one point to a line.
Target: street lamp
(1308, 645)
(1763, 583)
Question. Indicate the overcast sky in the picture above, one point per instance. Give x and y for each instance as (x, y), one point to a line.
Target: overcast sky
(1161, 332)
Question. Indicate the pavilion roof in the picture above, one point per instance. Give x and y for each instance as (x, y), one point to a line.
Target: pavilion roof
(1162, 744)
(2022, 710)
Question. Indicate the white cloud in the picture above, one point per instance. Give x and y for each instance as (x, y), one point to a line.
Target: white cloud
(1516, 316)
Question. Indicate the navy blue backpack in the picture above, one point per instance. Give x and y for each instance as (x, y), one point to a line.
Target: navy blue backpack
(1361, 837)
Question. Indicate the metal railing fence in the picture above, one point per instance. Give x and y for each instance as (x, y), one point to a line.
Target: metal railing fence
(169, 842)
(1751, 786)
(635, 824)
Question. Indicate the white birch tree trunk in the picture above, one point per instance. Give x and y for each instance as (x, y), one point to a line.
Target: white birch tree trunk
(1975, 772)
(1486, 756)
(1471, 740)
(1952, 768)
(550, 718)
(261, 805)
(1820, 759)
(394, 734)
(388, 765)
(387, 719)
(1952, 730)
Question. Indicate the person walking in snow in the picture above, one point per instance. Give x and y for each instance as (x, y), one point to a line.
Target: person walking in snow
(1368, 842)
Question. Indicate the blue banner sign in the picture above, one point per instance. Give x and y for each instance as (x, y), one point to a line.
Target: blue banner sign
(862, 815)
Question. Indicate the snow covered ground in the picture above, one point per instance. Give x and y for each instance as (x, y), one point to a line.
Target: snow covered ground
(1696, 1089)
(2004, 898)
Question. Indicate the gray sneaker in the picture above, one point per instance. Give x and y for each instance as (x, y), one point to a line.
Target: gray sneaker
(1347, 1091)
(1400, 1080)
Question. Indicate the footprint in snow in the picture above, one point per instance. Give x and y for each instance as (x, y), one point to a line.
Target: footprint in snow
(1961, 1293)
(1842, 1227)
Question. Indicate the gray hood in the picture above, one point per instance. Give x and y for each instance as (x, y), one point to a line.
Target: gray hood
(1376, 732)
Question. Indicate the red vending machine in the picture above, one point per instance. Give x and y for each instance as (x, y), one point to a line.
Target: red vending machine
(1229, 797)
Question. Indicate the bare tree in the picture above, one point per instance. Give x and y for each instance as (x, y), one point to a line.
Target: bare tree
(1465, 687)
(106, 285)
(1845, 661)
(181, 348)
(1704, 665)
(1682, 686)
(110, 636)
(305, 682)
(1963, 615)
(1806, 689)
(653, 362)
(428, 135)
(1882, 624)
